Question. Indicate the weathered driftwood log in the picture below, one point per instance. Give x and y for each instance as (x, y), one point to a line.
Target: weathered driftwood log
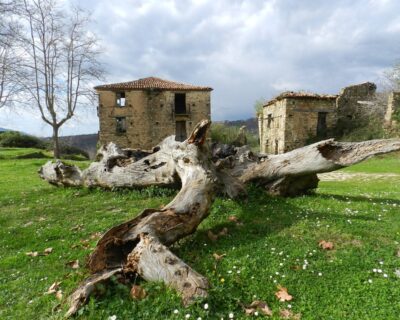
(140, 246)
(287, 174)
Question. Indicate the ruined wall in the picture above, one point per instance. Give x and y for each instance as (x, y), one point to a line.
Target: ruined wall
(291, 123)
(392, 116)
(353, 104)
(150, 116)
(272, 140)
(302, 121)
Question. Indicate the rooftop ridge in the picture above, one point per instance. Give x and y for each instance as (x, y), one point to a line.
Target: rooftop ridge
(152, 83)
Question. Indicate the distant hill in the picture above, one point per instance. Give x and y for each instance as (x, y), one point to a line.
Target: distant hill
(86, 142)
(4, 129)
(251, 124)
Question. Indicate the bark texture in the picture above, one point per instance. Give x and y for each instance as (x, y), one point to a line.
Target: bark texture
(140, 245)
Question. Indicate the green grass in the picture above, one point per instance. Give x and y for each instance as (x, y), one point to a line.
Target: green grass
(380, 164)
(277, 235)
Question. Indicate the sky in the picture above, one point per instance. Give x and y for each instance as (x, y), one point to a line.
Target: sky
(244, 49)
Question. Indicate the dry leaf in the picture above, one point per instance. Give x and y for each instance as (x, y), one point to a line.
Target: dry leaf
(295, 267)
(138, 293)
(53, 288)
(32, 254)
(48, 251)
(287, 314)
(398, 253)
(233, 219)
(258, 306)
(74, 264)
(59, 295)
(212, 236)
(223, 232)
(282, 294)
(218, 257)
(95, 235)
(77, 227)
(28, 224)
(325, 245)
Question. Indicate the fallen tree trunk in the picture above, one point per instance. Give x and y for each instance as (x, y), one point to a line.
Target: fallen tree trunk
(140, 246)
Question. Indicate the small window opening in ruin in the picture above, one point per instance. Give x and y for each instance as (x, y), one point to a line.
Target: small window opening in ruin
(161, 105)
(269, 120)
(267, 143)
(120, 99)
(350, 117)
(321, 125)
(180, 134)
(276, 146)
(120, 125)
(180, 103)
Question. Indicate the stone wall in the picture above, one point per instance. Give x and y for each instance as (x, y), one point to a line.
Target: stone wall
(291, 123)
(353, 104)
(272, 134)
(392, 115)
(302, 121)
(149, 116)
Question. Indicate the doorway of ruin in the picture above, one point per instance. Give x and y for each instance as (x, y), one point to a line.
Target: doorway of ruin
(180, 134)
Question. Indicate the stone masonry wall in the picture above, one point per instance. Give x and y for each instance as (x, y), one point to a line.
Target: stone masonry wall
(150, 116)
(392, 115)
(293, 122)
(353, 104)
(272, 139)
(302, 121)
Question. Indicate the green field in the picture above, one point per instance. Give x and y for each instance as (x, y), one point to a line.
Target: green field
(270, 247)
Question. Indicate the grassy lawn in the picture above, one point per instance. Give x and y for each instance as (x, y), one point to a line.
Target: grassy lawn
(277, 243)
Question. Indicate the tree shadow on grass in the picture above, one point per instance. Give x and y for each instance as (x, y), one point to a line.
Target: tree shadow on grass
(357, 198)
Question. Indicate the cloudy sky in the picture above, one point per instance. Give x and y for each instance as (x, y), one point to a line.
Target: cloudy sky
(244, 49)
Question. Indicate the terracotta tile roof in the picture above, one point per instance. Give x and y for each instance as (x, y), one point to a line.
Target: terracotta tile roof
(300, 95)
(151, 83)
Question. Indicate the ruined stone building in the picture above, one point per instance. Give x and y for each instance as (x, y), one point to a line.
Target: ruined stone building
(294, 119)
(139, 114)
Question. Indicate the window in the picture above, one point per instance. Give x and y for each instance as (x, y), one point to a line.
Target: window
(120, 125)
(269, 120)
(180, 103)
(180, 134)
(120, 99)
(321, 125)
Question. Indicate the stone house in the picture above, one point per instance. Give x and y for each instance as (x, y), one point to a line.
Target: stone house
(139, 114)
(294, 119)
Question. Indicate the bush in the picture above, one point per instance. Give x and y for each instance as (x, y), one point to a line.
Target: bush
(68, 151)
(224, 134)
(13, 139)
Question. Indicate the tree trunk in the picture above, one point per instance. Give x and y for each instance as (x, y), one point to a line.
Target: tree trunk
(140, 246)
(56, 142)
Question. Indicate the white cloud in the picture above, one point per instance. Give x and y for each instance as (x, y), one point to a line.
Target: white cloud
(245, 49)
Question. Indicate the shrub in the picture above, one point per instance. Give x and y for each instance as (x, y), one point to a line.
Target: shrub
(67, 151)
(222, 133)
(13, 139)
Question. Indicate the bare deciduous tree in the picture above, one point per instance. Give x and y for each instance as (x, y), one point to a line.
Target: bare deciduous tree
(9, 58)
(61, 59)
